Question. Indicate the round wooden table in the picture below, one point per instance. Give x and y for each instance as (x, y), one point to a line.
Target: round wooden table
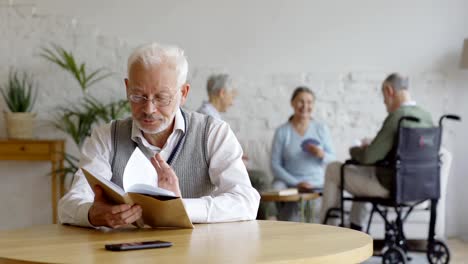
(237, 242)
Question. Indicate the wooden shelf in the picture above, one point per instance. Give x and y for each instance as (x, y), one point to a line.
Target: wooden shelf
(39, 150)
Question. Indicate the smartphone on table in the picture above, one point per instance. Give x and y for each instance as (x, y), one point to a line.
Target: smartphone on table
(138, 245)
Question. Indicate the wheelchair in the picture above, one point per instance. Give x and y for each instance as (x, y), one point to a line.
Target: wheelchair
(416, 163)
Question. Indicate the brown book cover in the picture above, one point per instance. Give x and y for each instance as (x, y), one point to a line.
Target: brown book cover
(159, 209)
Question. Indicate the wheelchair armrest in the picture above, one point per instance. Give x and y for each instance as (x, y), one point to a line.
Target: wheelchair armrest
(351, 161)
(381, 163)
(355, 162)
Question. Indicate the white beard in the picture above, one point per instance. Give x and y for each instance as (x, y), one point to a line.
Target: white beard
(160, 129)
(165, 124)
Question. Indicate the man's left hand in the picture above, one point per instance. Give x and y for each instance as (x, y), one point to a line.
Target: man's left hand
(167, 179)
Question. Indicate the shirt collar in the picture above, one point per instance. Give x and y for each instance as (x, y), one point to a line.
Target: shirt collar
(409, 103)
(211, 109)
(179, 125)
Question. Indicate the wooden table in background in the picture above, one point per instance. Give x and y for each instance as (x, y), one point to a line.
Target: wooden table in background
(39, 150)
(267, 197)
(301, 198)
(237, 242)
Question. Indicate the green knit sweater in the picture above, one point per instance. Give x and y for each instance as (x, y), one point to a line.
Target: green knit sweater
(383, 143)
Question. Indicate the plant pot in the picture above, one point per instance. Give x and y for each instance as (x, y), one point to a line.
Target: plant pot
(20, 125)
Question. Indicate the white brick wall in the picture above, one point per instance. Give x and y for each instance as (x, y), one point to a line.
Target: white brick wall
(350, 103)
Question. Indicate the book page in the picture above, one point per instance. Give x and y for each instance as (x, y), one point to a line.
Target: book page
(150, 190)
(139, 170)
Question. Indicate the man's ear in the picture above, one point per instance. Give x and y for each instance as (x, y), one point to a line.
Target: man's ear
(184, 90)
(388, 89)
(126, 84)
(222, 93)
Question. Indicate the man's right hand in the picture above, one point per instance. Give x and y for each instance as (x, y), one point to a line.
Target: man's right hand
(365, 142)
(102, 213)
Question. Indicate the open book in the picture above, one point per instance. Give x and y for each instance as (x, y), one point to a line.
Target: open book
(161, 208)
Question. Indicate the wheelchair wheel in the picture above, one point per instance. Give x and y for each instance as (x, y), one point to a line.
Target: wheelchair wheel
(438, 253)
(394, 255)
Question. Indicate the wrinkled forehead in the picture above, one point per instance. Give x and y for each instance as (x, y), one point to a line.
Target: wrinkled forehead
(153, 78)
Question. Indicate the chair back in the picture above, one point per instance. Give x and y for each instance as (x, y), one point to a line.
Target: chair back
(417, 164)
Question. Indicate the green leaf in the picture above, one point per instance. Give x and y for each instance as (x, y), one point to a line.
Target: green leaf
(66, 60)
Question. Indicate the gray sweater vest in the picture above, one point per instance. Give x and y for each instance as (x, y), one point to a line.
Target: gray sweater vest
(188, 159)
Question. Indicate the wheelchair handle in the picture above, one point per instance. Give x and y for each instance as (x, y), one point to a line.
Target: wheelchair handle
(409, 118)
(449, 116)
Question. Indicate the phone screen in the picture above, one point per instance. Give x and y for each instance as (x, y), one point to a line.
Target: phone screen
(138, 245)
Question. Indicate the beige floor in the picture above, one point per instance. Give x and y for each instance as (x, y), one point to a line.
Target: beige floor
(459, 250)
(458, 254)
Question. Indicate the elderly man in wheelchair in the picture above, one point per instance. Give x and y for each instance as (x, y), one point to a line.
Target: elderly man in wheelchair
(398, 169)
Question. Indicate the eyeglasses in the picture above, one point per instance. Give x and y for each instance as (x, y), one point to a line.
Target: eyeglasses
(156, 101)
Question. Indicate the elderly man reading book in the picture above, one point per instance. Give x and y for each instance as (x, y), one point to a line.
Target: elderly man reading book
(195, 156)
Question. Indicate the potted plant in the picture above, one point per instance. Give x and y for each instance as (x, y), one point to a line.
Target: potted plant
(20, 95)
(77, 119)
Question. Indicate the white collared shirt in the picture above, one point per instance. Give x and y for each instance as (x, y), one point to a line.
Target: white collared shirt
(208, 109)
(178, 131)
(234, 198)
(409, 103)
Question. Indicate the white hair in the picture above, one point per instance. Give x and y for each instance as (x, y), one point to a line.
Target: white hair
(216, 82)
(154, 54)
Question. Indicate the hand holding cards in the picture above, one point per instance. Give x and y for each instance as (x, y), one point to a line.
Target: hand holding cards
(312, 146)
(308, 141)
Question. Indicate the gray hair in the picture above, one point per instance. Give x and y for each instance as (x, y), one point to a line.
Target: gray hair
(154, 54)
(302, 89)
(217, 82)
(397, 81)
